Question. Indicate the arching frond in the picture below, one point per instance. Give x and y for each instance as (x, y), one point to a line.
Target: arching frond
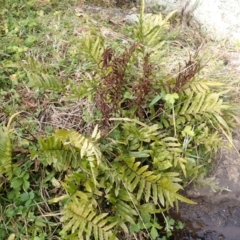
(201, 103)
(194, 107)
(147, 183)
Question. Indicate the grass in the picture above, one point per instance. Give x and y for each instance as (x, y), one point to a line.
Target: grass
(50, 32)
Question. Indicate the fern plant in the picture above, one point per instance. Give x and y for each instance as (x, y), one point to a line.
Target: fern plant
(121, 174)
(154, 135)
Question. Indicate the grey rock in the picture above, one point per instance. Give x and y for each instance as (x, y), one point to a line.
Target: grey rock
(131, 18)
(220, 18)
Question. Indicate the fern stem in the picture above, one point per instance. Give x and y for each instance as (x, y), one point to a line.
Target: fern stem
(174, 122)
(142, 9)
(138, 212)
(11, 118)
(128, 120)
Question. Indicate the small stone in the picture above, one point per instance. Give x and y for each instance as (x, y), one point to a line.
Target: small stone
(131, 19)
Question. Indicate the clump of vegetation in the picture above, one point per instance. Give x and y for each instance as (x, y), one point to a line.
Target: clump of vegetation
(117, 137)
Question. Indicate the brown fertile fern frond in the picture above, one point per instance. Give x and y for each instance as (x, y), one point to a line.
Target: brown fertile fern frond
(144, 88)
(109, 93)
(185, 75)
(107, 57)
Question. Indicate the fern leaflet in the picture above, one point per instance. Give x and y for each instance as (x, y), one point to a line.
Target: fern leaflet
(5, 153)
(46, 82)
(83, 222)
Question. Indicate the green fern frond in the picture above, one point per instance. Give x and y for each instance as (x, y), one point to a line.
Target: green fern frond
(149, 31)
(195, 105)
(86, 88)
(65, 149)
(123, 206)
(202, 85)
(168, 155)
(6, 153)
(83, 222)
(149, 27)
(201, 103)
(172, 144)
(146, 182)
(146, 134)
(88, 146)
(124, 210)
(45, 81)
(53, 152)
(212, 140)
(181, 162)
(94, 49)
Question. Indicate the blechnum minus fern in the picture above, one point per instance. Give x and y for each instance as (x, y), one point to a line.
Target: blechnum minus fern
(156, 134)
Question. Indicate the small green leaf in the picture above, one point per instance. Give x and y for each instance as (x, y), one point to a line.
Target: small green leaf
(188, 131)
(28, 202)
(26, 185)
(184, 199)
(170, 221)
(24, 197)
(156, 225)
(180, 225)
(154, 233)
(170, 98)
(55, 183)
(145, 215)
(31, 195)
(16, 183)
(139, 154)
(58, 199)
(128, 95)
(26, 176)
(134, 228)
